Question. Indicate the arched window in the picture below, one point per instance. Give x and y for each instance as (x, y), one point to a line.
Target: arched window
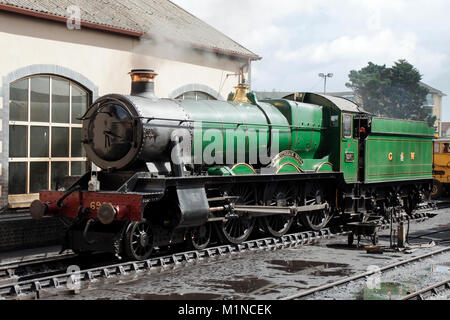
(44, 133)
(195, 95)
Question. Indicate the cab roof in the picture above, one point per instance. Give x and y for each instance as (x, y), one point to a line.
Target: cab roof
(342, 104)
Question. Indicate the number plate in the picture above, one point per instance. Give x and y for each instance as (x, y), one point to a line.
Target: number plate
(349, 157)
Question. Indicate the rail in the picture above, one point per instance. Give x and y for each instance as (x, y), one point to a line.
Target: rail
(347, 280)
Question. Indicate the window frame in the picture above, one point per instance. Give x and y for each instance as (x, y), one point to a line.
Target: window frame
(442, 148)
(429, 101)
(50, 125)
(196, 92)
(344, 115)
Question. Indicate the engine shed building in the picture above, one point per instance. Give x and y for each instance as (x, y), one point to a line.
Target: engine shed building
(59, 56)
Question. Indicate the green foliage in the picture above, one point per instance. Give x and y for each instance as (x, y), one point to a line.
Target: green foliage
(393, 92)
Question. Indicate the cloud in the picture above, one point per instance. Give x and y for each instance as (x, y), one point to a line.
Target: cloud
(380, 47)
(299, 39)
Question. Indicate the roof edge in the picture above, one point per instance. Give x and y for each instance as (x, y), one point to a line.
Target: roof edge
(253, 55)
(432, 90)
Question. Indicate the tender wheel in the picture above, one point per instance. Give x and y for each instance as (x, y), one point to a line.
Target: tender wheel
(408, 205)
(350, 239)
(382, 209)
(200, 237)
(315, 220)
(238, 228)
(374, 239)
(138, 242)
(437, 189)
(281, 195)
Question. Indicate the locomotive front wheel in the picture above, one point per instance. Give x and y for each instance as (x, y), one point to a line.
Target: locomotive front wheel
(201, 236)
(237, 229)
(281, 196)
(138, 242)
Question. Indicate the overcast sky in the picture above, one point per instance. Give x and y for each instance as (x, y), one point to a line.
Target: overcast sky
(300, 38)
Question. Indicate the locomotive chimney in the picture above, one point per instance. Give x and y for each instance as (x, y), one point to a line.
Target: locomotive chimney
(142, 83)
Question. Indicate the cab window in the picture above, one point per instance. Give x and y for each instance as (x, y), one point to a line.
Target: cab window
(347, 126)
(445, 148)
(334, 121)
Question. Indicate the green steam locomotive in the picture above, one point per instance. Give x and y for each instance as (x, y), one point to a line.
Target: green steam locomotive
(193, 172)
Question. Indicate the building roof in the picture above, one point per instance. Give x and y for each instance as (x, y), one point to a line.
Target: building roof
(433, 90)
(445, 128)
(156, 19)
(262, 95)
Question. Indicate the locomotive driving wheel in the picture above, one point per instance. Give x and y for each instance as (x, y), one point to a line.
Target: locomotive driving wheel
(138, 242)
(200, 237)
(238, 228)
(279, 195)
(315, 220)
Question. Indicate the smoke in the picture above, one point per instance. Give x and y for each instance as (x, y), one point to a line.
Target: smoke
(160, 52)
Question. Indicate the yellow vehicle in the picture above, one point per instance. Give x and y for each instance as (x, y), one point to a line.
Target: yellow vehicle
(441, 167)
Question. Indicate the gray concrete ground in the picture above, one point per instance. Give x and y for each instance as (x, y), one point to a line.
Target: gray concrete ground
(281, 273)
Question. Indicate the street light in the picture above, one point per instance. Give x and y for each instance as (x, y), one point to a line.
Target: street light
(325, 76)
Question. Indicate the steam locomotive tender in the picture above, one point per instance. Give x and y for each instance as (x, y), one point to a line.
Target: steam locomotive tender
(333, 159)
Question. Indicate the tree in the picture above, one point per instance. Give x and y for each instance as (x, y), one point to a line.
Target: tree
(393, 92)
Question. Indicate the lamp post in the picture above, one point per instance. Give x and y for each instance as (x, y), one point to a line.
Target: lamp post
(325, 76)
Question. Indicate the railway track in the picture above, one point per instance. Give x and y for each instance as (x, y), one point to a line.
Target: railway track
(312, 292)
(33, 284)
(430, 291)
(20, 270)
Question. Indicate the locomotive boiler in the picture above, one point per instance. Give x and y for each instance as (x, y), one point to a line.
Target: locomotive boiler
(195, 172)
(124, 132)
